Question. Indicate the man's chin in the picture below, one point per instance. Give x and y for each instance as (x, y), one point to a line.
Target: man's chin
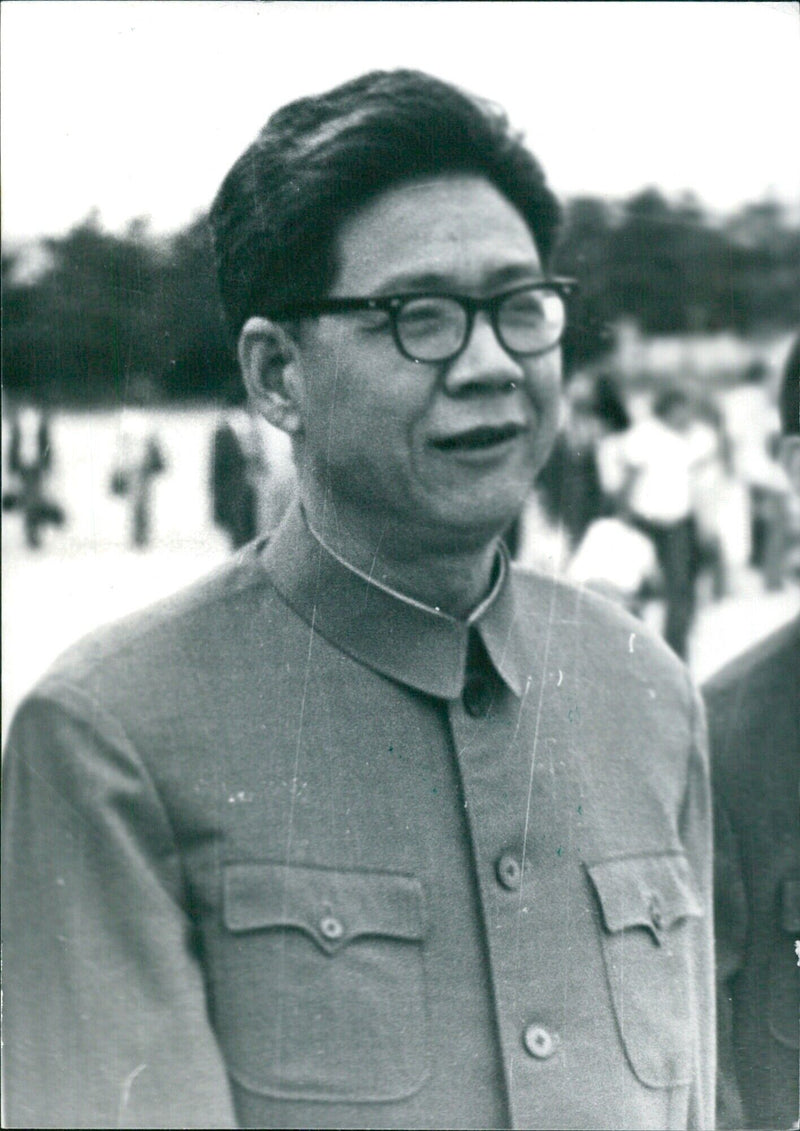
(432, 520)
(466, 529)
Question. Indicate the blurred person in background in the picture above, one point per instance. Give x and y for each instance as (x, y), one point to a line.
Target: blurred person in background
(753, 425)
(612, 556)
(617, 560)
(754, 722)
(716, 496)
(569, 485)
(29, 464)
(139, 458)
(614, 418)
(369, 828)
(646, 471)
(569, 494)
(611, 411)
(252, 477)
(233, 493)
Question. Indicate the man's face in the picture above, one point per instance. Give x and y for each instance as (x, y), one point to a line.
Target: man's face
(447, 448)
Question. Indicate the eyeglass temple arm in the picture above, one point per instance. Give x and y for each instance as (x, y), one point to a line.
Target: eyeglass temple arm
(332, 305)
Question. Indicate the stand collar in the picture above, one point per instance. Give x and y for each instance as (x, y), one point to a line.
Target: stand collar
(398, 636)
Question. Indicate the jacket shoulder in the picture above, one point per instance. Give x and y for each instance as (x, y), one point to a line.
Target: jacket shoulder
(599, 629)
(173, 624)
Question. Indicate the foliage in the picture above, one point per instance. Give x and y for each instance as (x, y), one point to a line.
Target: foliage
(106, 307)
(672, 270)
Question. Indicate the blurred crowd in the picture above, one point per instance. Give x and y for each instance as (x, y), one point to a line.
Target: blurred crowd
(670, 494)
(663, 497)
(249, 476)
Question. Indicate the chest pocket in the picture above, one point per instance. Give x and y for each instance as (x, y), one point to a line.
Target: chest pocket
(784, 996)
(648, 906)
(320, 990)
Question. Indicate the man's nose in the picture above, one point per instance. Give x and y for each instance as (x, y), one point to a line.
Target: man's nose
(483, 364)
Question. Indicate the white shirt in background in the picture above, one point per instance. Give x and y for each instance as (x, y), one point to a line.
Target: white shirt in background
(752, 421)
(662, 460)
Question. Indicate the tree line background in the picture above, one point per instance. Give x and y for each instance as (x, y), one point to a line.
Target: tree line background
(105, 307)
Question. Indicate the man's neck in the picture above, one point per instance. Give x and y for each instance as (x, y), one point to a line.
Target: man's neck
(452, 577)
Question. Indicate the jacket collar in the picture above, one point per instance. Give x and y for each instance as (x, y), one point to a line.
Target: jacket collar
(393, 634)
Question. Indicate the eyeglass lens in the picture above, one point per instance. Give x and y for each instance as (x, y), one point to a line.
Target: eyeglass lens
(433, 328)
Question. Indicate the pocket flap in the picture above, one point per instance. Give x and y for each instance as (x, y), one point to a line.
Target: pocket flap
(654, 892)
(332, 907)
(790, 905)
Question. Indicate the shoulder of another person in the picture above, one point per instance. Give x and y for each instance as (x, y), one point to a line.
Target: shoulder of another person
(776, 658)
(753, 706)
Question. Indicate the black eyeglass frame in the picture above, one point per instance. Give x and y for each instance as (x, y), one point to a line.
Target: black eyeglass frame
(393, 304)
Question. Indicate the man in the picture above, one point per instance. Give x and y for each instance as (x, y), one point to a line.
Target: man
(139, 459)
(751, 423)
(252, 474)
(648, 471)
(754, 715)
(30, 459)
(367, 830)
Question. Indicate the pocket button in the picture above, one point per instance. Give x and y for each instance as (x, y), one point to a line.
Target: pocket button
(331, 927)
(540, 1042)
(509, 872)
(656, 913)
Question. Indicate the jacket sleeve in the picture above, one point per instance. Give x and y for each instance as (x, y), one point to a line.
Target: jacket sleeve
(105, 1011)
(696, 835)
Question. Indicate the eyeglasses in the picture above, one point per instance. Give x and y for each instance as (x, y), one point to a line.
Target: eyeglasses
(527, 320)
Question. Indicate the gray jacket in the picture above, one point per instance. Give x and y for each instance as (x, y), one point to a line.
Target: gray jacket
(291, 851)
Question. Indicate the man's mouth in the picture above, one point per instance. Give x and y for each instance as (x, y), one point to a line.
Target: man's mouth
(478, 439)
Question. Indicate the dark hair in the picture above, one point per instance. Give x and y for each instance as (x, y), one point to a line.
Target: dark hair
(667, 401)
(790, 393)
(756, 372)
(275, 218)
(609, 405)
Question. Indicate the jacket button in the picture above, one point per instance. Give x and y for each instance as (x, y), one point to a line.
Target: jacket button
(540, 1042)
(509, 871)
(656, 913)
(477, 697)
(331, 928)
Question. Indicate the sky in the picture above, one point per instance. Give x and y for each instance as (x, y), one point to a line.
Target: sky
(139, 107)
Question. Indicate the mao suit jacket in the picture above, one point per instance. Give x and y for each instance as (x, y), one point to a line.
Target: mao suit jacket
(290, 850)
(754, 717)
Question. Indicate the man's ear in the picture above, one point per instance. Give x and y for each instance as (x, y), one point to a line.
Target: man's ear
(271, 367)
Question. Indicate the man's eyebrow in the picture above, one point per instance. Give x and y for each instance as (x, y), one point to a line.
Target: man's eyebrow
(421, 281)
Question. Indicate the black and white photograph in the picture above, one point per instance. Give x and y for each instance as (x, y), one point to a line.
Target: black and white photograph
(401, 564)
